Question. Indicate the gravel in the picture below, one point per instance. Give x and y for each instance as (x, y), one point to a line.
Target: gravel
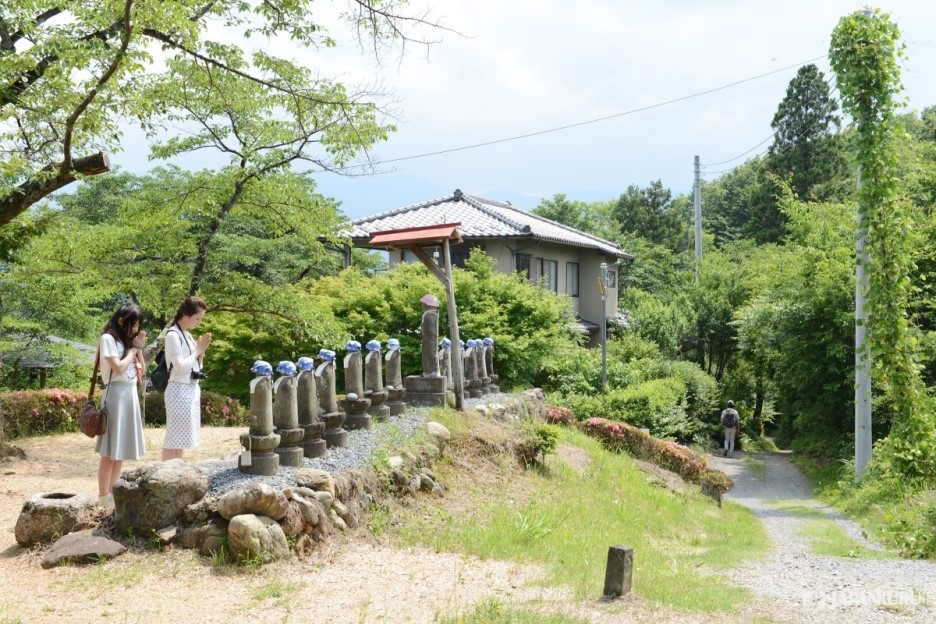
(362, 445)
(801, 586)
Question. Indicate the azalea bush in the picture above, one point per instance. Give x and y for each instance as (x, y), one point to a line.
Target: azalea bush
(669, 455)
(37, 412)
(217, 410)
(33, 412)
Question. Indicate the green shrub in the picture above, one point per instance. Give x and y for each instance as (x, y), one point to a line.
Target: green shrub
(34, 412)
(658, 405)
(217, 410)
(715, 480)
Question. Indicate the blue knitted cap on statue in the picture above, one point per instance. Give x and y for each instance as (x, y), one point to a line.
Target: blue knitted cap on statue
(488, 342)
(326, 355)
(393, 344)
(262, 368)
(373, 345)
(353, 346)
(446, 343)
(305, 364)
(286, 368)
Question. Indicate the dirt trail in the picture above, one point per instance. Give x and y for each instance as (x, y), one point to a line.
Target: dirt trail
(799, 586)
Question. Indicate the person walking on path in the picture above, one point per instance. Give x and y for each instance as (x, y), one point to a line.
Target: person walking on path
(185, 356)
(120, 352)
(731, 422)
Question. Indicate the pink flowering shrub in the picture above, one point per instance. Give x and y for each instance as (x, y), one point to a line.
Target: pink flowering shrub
(217, 410)
(559, 416)
(34, 412)
(674, 457)
(37, 412)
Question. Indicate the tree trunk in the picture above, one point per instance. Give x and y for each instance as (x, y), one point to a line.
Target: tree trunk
(202, 257)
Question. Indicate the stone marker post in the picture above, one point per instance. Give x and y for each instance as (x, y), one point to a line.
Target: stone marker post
(260, 439)
(619, 571)
(309, 409)
(286, 416)
(394, 385)
(373, 382)
(428, 389)
(334, 435)
(354, 403)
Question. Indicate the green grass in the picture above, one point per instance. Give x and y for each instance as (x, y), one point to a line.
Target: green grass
(282, 591)
(899, 512)
(826, 537)
(756, 467)
(495, 612)
(573, 519)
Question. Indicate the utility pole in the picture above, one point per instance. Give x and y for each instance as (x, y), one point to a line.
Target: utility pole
(862, 352)
(697, 205)
(603, 290)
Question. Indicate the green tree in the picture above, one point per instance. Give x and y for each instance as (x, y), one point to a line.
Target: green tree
(72, 77)
(590, 217)
(805, 122)
(647, 212)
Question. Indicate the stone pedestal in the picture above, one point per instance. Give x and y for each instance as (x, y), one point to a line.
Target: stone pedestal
(335, 435)
(356, 412)
(289, 451)
(307, 392)
(263, 459)
(425, 391)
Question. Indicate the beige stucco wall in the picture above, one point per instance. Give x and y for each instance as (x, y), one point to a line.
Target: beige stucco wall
(588, 304)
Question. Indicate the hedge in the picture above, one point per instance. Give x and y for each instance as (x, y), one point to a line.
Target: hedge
(36, 412)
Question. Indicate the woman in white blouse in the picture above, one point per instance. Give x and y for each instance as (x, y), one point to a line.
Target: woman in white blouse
(120, 353)
(184, 356)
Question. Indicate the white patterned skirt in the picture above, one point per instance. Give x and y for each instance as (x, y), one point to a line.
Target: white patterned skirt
(124, 436)
(183, 415)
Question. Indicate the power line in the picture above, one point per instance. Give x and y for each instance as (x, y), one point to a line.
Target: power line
(591, 121)
(828, 110)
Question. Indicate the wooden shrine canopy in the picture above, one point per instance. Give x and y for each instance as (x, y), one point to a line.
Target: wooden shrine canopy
(421, 236)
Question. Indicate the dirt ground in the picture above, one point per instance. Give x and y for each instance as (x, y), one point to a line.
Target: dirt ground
(354, 579)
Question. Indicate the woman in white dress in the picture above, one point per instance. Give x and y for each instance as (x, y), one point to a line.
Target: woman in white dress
(184, 356)
(121, 356)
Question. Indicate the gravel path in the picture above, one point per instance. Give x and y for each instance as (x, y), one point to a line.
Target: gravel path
(799, 586)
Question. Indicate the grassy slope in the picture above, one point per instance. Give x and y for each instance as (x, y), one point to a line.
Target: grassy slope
(566, 517)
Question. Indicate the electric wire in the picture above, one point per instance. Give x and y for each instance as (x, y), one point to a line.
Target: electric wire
(832, 91)
(590, 121)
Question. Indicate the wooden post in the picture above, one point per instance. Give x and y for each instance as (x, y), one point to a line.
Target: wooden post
(619, 571)
(457, 373)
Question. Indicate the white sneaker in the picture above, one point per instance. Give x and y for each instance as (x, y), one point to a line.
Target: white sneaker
(106, 501)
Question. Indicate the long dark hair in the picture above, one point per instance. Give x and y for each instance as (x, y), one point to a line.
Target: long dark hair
(190, 307)
(124, 318)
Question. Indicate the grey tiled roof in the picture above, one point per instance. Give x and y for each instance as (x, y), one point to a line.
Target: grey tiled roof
(480, 218)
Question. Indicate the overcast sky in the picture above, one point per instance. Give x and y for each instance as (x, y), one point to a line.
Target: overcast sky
(525, 66)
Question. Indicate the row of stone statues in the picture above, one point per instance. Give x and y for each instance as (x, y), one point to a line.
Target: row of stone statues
(306, 419)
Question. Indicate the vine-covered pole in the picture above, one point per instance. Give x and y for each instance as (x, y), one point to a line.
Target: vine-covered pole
(864, 53)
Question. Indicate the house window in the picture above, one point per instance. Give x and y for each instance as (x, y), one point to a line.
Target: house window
(550, 275)
(523, 264)
(572, 279)
(612, 277)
